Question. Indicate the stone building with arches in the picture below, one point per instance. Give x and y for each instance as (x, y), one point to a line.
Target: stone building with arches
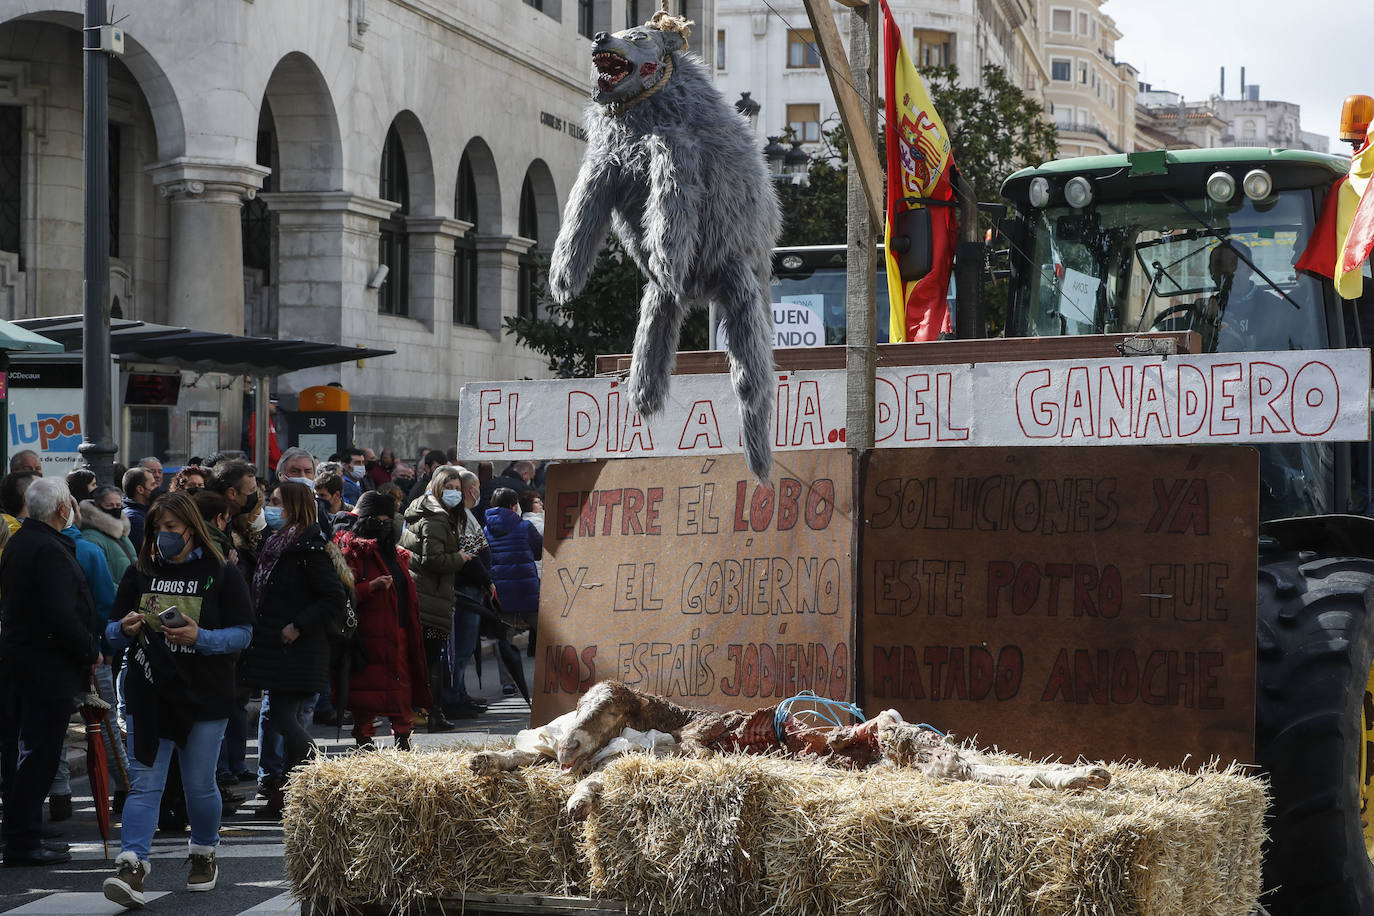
(268, 159)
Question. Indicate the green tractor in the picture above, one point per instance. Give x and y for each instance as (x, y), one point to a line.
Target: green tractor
(1206, 240)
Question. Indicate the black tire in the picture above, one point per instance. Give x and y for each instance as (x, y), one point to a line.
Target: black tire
(1315, 641)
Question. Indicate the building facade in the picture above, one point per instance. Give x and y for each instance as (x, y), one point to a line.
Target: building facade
(361, 172)
(1254, 121)
(768, 51)
(1163, 120)
(1091, 94)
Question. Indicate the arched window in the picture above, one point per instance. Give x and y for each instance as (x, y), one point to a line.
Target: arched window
(465, 248)
(528, 306)
(255, 219)
(11, 178)
(393, 249)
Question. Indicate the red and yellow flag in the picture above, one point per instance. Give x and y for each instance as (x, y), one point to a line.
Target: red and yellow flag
(1344, 235)
(918, 165)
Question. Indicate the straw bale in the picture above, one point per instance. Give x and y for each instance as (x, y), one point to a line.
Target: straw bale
(398, 828)
(746, 834)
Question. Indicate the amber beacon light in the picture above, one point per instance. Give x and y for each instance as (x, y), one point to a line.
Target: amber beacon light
(1356, 113)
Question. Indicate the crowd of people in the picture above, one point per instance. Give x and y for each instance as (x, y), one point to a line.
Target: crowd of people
(354, 588)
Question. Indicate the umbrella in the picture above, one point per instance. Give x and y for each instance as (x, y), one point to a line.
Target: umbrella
(341, 678)
(93, 712)
(507, 652)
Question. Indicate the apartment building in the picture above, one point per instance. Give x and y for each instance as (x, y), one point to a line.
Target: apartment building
(1255, 121)
(768, 51)
(1163, 120)
(1091, 94)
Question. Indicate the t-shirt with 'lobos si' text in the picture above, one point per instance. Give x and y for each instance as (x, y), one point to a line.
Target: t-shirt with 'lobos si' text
(213, 594)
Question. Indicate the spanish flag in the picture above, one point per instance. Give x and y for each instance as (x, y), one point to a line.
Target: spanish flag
(918, 165)
(1345, 230)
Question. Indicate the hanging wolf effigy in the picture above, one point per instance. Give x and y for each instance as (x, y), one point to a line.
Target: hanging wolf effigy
(675, 171)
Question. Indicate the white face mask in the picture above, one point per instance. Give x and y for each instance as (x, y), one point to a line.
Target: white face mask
(259, 522)
(356, 471)
(305, 481)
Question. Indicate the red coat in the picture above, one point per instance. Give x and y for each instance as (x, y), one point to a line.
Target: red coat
(395, 678)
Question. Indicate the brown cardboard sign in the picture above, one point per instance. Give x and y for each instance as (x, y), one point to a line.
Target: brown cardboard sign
(1099, 602)
(686, 578)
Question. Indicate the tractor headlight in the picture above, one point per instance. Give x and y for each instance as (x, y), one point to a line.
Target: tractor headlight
(1078, 192)
(1257, 184)
(1039, 192)
(1221, 187)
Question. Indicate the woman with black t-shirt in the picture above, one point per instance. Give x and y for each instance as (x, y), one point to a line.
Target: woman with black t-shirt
(180, 683)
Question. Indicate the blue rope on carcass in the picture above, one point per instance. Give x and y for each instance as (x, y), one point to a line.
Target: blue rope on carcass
(826, 713)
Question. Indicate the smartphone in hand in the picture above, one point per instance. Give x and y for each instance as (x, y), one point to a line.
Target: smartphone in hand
(172, 617)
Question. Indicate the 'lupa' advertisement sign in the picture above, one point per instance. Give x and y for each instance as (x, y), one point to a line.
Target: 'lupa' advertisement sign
(1288, 396)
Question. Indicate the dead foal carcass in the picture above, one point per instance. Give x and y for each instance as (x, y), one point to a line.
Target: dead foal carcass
(612, 719)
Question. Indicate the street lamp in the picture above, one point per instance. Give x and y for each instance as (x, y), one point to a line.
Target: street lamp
(749, 108)
(776, 154)
(796, 163)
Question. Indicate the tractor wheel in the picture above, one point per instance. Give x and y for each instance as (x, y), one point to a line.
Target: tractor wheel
(1313, 717)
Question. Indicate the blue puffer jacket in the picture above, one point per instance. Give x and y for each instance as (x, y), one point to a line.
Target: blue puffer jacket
(515, 545)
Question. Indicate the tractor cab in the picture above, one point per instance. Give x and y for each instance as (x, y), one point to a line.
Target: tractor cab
(1193, 240)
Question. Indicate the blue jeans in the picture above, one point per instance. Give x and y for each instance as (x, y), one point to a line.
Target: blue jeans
(465, 626)
(203, 805)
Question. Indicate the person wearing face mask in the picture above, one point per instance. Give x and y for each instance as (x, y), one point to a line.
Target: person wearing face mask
(296, 590)
(271, 512)
(105, 525)
(298, 466)
(396, 677)
(47, 655)
(355, 474)
(380, 467)
(434, 523)
(180, 684)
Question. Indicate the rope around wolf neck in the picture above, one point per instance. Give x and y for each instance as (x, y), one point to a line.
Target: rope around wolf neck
(619, 108)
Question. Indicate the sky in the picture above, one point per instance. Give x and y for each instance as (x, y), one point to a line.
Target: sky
(1313, 52)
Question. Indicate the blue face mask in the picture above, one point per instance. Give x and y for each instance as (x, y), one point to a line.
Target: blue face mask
(452, 498)
(273, 516)
(303, 481)
(170, 545)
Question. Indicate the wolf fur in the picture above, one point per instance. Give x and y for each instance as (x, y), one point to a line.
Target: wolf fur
(674, 170)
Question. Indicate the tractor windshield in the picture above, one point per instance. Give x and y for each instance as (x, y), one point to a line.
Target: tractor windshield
(1173, 264)
(1177, 264)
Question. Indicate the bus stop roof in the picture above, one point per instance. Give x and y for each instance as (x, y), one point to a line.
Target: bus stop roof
(203, 351)
(17, 339)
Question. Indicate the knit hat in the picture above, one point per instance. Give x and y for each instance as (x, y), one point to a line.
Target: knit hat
(374, 503)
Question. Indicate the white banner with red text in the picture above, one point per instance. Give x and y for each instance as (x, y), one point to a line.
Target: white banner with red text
(1284, 396)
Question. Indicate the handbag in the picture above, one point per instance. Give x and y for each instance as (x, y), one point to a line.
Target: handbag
(343, 624)
(341, 628)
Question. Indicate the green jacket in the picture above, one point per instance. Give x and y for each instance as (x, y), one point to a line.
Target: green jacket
(110, 535)
(431, 537)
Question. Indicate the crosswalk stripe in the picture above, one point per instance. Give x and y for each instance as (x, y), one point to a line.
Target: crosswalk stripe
(78, 904)
(281, 905)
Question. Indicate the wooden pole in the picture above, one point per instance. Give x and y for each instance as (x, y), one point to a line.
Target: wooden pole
(859, 125)
(864, 218)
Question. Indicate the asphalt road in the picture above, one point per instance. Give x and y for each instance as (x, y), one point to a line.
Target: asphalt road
(252, 878)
